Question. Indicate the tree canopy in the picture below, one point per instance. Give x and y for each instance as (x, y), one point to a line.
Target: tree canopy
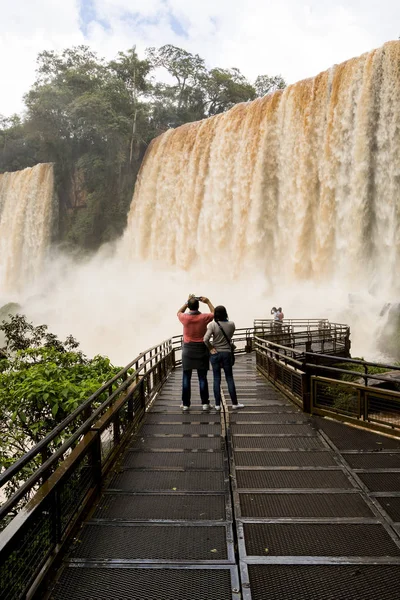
(42, 380)
(94, 119)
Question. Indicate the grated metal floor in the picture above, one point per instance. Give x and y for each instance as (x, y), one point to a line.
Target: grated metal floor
(263, 502)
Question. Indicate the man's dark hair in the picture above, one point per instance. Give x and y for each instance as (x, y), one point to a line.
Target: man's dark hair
(220, 313)
(193, 304)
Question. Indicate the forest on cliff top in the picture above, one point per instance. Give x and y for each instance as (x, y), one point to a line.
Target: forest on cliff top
(95, 118)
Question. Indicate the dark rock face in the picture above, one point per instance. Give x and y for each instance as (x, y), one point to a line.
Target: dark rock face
(388, 341)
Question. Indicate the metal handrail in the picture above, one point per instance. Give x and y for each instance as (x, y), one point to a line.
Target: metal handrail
(354, 361)
(140, 362)
(161, 349)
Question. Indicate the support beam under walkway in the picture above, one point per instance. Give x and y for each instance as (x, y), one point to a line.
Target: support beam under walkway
(258, 503)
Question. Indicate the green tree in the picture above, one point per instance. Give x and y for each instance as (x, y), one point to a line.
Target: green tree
(17, 150)
(224, 88)
(81, 109)
(265, 84)
(133, 73)
(42, 380)
(186, 68)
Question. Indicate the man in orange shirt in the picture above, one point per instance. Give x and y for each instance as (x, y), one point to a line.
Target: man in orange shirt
(195, 353)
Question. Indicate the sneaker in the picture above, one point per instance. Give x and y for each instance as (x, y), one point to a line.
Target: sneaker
(218, 408)
(235, 406)
(206, 407)
(184, 408)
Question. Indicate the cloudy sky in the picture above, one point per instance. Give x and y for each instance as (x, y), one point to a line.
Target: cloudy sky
(294, 38)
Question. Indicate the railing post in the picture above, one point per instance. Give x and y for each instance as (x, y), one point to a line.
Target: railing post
(142, 394)
(306, 386)
(95, 459)
(347, 343)
(363, 406)
(116, 429)
(56, 508)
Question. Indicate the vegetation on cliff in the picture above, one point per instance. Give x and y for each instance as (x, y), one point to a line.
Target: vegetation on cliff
(94, 120)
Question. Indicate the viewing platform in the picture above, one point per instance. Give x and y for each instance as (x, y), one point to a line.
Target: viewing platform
(267, 501)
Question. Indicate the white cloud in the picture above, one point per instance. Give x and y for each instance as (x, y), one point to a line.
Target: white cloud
(297, 39)
(25, 30)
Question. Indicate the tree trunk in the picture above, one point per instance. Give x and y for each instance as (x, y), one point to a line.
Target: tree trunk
(133, 135)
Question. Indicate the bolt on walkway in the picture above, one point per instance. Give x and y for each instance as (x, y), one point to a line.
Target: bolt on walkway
(259, 503)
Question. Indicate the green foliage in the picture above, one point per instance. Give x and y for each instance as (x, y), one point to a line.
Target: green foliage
(265, 84)
(42, 380)
(359, 369)
(224, 88)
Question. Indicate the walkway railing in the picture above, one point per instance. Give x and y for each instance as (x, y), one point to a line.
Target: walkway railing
(77, 454)
(360, 401)
(308, 335)
(86, 442)
(316, 383)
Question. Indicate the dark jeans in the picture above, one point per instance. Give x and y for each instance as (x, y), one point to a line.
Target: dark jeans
(203, 384)
(223, 360)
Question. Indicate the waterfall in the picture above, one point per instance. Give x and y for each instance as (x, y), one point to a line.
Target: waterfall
(303, 184)
(26, 218)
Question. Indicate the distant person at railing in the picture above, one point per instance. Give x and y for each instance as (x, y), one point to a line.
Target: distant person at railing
(277, 316)
(221, 331)
(195, 353)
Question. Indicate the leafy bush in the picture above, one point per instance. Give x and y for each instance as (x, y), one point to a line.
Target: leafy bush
(42, 380)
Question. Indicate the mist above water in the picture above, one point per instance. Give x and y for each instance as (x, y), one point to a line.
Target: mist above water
(120, 309)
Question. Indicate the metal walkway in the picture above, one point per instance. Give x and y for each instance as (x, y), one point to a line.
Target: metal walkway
(260, 503)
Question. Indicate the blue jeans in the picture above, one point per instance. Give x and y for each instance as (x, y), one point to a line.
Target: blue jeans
(203, 384)
(222, 360)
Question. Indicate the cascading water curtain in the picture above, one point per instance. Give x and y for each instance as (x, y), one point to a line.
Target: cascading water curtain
(26, 218)
(304, 183)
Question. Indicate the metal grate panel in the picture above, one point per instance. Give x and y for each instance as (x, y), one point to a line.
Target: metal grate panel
(130, 481)
(180, 429)
(242, 418)
(381, 482)
(324, 582)
(292, 443)
(263, 408)
(195, 411)
(172, 507)
(185, 443)
(184, 460)
(272, 429)
(392, 506)
(284, 459)
(210, 418)
(292, 479)
(350, 438)
(151, 542)
(82, 583)
(303, 505)
(373, 460)
(266, 413)
(317, 539)
(19, 567)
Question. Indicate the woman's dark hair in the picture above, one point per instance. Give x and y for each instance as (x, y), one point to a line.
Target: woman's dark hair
(193, 304)
(220, 313)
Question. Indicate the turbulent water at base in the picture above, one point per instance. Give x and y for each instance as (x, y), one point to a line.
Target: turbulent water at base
(303, 184)
(26, 216)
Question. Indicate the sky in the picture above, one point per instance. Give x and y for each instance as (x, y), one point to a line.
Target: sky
(293, 38)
